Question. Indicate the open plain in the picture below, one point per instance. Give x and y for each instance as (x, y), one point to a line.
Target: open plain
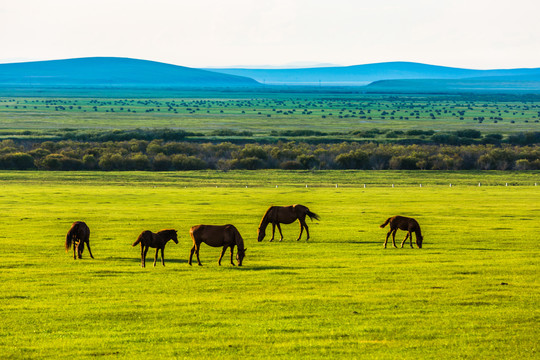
(470, 292)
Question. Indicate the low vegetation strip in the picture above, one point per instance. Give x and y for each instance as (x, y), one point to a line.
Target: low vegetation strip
(161, 155)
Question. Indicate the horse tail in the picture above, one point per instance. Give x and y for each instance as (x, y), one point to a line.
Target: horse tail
(139, 239)
(70, 235)
(385, 223)
(312, 215)
(68, 241)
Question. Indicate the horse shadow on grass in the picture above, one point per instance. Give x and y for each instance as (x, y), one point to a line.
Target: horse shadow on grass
(148, 258)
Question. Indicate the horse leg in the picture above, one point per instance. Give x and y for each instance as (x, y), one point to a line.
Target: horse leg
(163, 256)
(387, 236)
(144, 256)
(221, 256)
(89, 251)
(406, 236)
(191, 253)
(410, 236)
(232, 255)
(197, 253)
(280, 233)
(155, 256)
(273, 231)
(75, 250)
(307, 229)
(301, 229)
(394, 238)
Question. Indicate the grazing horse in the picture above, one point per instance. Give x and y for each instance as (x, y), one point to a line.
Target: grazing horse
(285, 215)
(403, 223)
(216, 236)
(78, 234)
(149, 239)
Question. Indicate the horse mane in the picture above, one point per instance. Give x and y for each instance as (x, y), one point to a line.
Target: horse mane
(238, 239)
(265, 219)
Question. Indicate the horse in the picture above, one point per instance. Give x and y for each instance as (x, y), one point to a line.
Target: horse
(148, 239)
(285, 215)
(216, 236)
(78, 234)
(403, 223)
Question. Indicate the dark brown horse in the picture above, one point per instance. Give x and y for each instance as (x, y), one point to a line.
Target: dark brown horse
(403, 223)
(148, 239)
(217, 236)
(276, 215)
(78, 234)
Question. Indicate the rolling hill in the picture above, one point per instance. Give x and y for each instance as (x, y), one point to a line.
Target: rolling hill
(360, 75)
(113, 72)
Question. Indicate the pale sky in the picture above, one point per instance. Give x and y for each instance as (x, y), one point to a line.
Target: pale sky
(480, 34)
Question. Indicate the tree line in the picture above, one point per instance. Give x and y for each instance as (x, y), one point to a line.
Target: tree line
(167, 155)
(413, 136)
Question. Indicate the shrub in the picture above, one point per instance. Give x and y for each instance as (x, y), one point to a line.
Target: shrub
(356, 159)
(17, 161)
(183, 162)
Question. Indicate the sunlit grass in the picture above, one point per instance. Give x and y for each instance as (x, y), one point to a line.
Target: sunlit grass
(471, 292)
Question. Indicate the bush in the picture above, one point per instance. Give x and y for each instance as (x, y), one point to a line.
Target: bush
(162, 162)
(183, 162)
(357, 159)
(469, 133)
(291, 165)
(61, 162)
(17, 161)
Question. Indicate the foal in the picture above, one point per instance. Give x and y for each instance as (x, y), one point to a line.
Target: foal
(403, 223)
(149, 239)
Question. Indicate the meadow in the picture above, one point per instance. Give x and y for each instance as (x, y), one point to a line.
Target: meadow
(470, 292)
(268, 116)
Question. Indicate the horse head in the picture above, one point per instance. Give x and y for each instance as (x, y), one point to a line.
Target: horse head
(174, 236)
(419, 240)
(261, 233)
(240, 255)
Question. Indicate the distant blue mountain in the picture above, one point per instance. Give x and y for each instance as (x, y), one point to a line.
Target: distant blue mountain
(493, 84)
(113, 72)
(364, 74)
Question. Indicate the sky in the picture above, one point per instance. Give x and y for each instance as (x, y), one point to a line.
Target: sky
(478, 34)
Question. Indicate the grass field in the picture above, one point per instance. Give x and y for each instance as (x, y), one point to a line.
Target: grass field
(470, 292)
(260, 113)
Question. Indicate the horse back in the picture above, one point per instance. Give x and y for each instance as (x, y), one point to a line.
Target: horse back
(404, 223)
(79, 230)
(213, 235)
(287, 214)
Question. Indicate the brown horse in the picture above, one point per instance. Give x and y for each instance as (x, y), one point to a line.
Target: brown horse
(285, 215)
(78, 234)
(403, 223)
(149, 239)
(216, 236)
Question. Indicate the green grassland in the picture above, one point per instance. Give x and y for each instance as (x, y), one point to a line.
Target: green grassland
(335, 115)
(470, 292)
